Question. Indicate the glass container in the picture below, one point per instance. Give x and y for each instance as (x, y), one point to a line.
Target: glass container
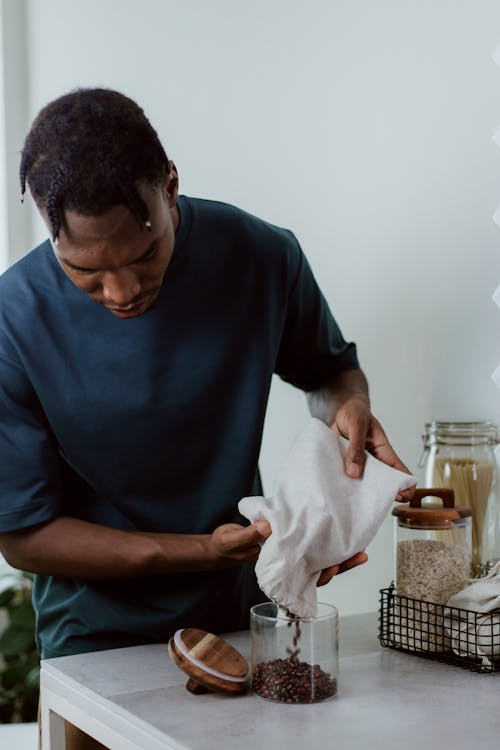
(294, 660)
(461, 456)
(433, 546)
(433, 563)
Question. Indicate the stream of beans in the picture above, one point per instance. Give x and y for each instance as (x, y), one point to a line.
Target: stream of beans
(291, 680)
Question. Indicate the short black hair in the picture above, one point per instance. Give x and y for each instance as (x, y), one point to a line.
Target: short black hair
(87, 151)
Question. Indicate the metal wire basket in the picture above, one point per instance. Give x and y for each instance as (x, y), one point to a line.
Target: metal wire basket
(460, 637)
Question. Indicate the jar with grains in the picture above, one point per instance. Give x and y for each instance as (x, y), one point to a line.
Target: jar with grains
(461, 457)
(433, 563)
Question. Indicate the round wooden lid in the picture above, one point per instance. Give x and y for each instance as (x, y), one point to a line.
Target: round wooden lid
(415, 516)
(210, 662)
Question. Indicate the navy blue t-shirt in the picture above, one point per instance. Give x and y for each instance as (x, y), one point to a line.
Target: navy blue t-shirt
(153, 423)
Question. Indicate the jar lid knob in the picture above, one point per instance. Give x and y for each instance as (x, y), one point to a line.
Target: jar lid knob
(444, 493)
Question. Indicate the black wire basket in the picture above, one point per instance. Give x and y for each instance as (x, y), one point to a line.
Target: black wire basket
(460, 637)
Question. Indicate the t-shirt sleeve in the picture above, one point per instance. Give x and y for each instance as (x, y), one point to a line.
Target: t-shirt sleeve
(29, 459)
(312, 347)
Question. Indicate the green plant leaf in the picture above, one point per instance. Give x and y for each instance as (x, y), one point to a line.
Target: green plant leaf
(14, 677)
(23, 617)
(15, 641)
(8, 696)
(6, 596)
(33, 659)
(19, 660)
(33, 679)
(9, 658)
(5, 713)
(29, 708)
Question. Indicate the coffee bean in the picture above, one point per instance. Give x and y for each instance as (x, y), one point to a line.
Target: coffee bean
(293, 681)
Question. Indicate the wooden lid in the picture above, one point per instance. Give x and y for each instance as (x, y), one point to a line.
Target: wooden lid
(211, 663)
(414, 516)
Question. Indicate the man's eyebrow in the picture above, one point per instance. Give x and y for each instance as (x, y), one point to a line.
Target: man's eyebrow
(144, 255)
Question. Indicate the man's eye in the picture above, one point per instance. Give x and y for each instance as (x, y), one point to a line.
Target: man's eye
(150, 254)
(85, 271)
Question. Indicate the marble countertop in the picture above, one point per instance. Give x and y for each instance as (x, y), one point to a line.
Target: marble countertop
(393, 699)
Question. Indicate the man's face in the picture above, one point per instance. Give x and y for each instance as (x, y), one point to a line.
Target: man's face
(115, 260)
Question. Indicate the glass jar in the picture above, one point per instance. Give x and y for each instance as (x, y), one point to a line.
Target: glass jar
(460, 456)
(294, 660)
(433, 546)
(433, 563)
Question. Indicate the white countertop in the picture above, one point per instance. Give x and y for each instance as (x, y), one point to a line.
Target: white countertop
(394, 700)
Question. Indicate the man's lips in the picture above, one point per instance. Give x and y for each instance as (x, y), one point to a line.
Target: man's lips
(132, 306)
(126, 309)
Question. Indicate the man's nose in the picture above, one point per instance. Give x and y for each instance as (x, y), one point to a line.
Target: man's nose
(120, 287)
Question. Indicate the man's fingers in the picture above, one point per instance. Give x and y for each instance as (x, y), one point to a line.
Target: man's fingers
(251, 553)
(358, 559)
(355, 462)
(380, 447)
(234, 538)
(386, 453)
(264, 528)
(355, 457)
(327, 575)
(405, 495)
(352, 421)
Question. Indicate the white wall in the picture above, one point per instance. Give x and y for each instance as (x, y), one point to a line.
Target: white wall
(14, 222)
(15, 231)
(4, 243)
(366, 127)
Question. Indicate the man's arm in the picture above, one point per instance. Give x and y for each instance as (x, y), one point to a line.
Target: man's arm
(344, 404)
(30, 470)
(70, 548)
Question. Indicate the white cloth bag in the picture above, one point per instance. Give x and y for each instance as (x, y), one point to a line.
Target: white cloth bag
(472, 635)
(319, 516)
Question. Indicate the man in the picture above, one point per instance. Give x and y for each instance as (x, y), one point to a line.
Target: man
(137, 348)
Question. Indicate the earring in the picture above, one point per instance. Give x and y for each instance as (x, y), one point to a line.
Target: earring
(147, 224)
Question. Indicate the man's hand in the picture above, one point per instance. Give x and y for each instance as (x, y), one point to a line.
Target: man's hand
(327, 574)
(355, 422)
(236, 543)
(344, 404)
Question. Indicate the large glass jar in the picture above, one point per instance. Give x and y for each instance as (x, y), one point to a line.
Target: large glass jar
(294, 660)
(433, 546)
(461, 456)
(433, 563)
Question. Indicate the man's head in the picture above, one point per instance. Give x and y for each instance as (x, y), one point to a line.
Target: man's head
(107, 192)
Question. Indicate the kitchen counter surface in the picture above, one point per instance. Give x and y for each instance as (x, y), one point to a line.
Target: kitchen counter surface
(135, 698)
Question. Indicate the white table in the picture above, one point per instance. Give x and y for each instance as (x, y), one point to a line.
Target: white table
(134, 699)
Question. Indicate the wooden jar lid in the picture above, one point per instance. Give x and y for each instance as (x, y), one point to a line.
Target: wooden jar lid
(211, 664)
(414, 516)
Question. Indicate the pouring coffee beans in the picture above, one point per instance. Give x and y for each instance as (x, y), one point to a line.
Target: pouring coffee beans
(291, 680)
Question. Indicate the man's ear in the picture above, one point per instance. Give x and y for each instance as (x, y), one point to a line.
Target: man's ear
(171, 184)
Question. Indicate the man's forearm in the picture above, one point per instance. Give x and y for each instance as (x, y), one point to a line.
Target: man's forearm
(71, 548)
(326, 401)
